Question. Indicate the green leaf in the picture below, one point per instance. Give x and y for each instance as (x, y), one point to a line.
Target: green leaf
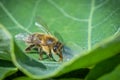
(5, 44)
(79, 73)
(81, 23)
(71, 79)
(103, 68)
(114, 75)
(23, 78)
(6, 69)
(6, 66)
(27, 78)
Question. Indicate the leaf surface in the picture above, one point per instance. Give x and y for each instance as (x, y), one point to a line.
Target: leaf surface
(82, 25)
(104, 68)
(5, 44)
(6, 69)
(114, 75)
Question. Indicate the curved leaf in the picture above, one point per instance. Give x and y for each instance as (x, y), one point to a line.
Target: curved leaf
(5, 44)
(6, 69)
(6, 66)
(80, 23)
(114, 75)
(23, 78)
(103, 68)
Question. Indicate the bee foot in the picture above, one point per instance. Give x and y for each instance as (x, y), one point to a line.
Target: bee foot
(60, 60)
(40, 58)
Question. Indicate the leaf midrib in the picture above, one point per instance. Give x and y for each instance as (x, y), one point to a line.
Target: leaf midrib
(90, 24)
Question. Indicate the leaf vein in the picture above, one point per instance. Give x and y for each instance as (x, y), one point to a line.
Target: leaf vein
(117, 31)
(90, 24)
(105, 19)
(102, 4)
(12, 18)
(33, 13)
(65, 13)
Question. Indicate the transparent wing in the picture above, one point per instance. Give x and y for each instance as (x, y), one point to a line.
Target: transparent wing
(43, 27)
(58, 36)
(21, 36)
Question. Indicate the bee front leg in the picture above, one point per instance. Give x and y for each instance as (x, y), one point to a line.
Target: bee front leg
(49, 53)
(29, 48)
(61, 56)
(59, 53)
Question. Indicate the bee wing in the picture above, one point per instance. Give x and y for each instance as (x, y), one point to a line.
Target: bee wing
(58, 36)
(43, 27)
(39, 23)
(21, 36)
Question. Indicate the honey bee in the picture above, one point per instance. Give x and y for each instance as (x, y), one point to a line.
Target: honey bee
(44, 42)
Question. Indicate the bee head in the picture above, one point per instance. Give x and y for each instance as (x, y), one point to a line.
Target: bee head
(57, 47)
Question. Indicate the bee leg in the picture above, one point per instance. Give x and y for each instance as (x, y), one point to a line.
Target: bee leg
(59, 53)
(29, 48)
(40, 53)
(61, 56)
(51, 57)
